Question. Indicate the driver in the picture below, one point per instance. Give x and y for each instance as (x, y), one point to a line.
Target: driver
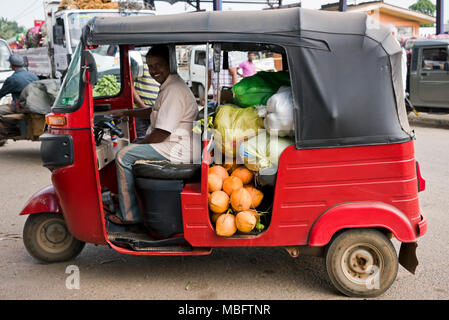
(169, 136)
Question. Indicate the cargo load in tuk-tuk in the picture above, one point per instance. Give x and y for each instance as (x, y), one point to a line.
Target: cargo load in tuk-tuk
(339, 182)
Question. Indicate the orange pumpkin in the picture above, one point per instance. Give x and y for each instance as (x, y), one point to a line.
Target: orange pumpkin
(245, 221)
(219, 171)
(231, 184)
(243, 174)
(215, 182)
(240, 200)
(218, 202)
(256, 196)
(225, 225)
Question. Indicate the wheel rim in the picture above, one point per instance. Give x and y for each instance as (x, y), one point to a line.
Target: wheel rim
(362, 264)
(53, 236)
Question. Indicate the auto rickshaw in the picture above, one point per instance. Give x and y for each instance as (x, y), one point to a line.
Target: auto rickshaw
(347, 185)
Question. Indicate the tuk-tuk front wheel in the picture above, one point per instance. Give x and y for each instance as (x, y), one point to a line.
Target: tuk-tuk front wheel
(362, 263)
(47, 238)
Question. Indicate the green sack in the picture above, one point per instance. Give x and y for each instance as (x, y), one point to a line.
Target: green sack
(257, 89)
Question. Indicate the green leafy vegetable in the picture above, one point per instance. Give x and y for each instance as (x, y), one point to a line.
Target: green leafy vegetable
(107, 86)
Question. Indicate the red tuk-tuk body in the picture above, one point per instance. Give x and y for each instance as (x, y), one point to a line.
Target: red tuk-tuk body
(328, 189)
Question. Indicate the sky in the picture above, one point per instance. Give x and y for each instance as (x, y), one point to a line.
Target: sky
(26, 11)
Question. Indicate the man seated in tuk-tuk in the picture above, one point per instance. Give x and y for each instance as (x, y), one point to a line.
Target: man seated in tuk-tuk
(14, 86)
(168, 137)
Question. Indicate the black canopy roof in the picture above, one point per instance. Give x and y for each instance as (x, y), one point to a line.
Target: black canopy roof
(345, 68)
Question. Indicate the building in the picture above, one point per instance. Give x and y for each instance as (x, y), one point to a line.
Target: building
(406, 21)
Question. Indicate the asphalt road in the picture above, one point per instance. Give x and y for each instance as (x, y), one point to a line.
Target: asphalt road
(254, 273)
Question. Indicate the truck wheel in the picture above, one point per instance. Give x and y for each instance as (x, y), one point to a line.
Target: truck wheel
(47, 238)
(2, 143)
(362, 263)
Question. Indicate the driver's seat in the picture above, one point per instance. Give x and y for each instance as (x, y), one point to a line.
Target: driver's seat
(165, 170)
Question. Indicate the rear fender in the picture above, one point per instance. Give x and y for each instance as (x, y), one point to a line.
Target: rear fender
(44, 200)
(361, 215)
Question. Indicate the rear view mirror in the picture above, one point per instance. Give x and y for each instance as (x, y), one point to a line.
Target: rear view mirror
(91, 66)
(216, 57)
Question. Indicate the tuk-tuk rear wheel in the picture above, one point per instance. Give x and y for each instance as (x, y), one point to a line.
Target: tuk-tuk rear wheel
(2, 143)
(47, 238)
(362, 262)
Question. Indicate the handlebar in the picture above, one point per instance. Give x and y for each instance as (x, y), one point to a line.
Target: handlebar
(102, 122)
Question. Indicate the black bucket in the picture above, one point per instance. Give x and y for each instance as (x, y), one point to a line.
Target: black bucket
(161, 201)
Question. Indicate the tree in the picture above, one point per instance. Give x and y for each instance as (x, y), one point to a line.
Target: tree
(426, 7)
(9, 29)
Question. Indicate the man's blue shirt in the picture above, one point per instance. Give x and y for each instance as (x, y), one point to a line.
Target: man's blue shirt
(17, 82)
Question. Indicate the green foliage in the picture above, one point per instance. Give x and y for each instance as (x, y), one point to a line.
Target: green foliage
(9, 29)
(107, 86)
(426, 7)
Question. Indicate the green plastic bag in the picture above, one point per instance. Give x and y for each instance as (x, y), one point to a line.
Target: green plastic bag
(257, 89)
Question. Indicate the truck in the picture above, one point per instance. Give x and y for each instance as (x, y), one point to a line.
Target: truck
(428, 75)
(192, 66)
(5, 72)
(5, 68)
(62, 31)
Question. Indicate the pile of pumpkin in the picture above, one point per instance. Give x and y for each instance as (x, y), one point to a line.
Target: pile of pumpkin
(233, 200)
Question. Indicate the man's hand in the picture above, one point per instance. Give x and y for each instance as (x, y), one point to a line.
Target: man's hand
(156, 136)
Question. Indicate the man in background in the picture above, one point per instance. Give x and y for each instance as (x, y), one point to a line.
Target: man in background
(248, 67)
(144, 94)
(16, 83)
(227, 78)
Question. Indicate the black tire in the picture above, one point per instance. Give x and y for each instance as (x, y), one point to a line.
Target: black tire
(361, 262)
(47, 239)
(2, 143)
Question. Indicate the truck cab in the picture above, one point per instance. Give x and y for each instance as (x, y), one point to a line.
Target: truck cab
(429, 75)
(5, 68)
(63, 27)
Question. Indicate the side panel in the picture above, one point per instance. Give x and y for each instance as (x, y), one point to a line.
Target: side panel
(76, 185)
(312, 181)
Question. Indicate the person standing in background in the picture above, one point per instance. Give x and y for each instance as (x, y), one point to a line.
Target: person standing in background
(248, 67)
(227, 78)
(144, 94)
